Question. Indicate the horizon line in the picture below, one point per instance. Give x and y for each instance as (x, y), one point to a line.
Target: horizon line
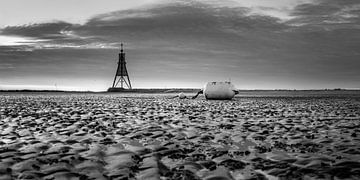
(134, 89)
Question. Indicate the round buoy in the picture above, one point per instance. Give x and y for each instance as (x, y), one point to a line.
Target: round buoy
(219, 90)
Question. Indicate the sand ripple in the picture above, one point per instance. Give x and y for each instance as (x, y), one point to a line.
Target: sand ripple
(102, 136)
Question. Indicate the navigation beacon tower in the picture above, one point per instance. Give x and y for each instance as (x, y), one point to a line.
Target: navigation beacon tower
(121, 75)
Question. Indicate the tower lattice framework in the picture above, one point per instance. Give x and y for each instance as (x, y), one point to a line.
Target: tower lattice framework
(122, 75)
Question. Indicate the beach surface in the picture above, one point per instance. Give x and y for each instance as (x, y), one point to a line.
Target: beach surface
(257, 135)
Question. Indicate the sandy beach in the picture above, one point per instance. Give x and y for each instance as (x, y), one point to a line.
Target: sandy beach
(150, 136)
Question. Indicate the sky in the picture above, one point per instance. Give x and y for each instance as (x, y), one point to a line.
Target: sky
(255, 44)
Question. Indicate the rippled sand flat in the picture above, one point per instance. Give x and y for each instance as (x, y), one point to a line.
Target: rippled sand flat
(150, 136)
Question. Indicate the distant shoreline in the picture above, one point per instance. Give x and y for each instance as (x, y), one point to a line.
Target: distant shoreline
(154, 90)
(178, 90)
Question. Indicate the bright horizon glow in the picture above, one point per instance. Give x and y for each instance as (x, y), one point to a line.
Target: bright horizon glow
(17, 40)
(40, 87)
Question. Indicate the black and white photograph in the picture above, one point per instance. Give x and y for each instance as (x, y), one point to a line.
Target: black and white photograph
(180, 89)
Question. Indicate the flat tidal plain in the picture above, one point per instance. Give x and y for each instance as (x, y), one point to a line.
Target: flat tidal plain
(312, 135)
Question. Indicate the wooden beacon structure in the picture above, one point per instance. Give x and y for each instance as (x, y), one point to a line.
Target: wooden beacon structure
(121, 75)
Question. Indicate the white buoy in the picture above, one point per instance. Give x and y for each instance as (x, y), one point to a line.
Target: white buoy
(181, 95)
(219, 90)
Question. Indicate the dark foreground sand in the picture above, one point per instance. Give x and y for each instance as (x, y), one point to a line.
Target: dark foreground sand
(139, 136)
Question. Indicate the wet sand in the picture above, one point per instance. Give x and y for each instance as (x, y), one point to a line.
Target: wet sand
(149, 136)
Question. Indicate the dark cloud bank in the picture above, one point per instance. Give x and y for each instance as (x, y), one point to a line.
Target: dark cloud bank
(191, 42)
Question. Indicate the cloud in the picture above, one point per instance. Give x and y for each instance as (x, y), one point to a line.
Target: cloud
(328, 14)
(180, 40)
(6, 66)
(280, 9)
(43, 31)
(166, 23)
